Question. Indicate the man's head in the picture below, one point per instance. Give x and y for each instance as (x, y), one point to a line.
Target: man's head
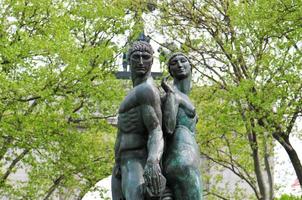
(140, 58)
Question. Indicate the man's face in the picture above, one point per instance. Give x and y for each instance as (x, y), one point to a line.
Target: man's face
(140, 62)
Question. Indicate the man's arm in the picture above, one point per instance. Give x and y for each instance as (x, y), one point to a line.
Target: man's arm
(155, 143)
(117, 170)
(151, 114)
(154, 180)
(148, 98)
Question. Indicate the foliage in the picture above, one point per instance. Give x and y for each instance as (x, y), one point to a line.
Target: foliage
(248, 55)
(289, 197)
(221, 133)
(57, 90)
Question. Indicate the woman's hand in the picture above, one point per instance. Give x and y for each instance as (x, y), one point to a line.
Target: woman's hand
(167, 88)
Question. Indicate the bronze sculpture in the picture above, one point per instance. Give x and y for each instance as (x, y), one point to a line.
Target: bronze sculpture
(139, 143)
(139, 166)
(181, 156)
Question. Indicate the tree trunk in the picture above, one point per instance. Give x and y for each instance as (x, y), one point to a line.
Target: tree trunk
(293, 156)
(257, 165)
(267, 148)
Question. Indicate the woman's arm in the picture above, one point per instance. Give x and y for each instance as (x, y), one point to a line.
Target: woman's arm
(170, 108)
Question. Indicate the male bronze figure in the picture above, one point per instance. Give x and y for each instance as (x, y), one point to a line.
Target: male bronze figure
(139, 143)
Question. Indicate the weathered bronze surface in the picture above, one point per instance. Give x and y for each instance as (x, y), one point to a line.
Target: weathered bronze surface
(181, 155)
(140, 171)
(139, 144)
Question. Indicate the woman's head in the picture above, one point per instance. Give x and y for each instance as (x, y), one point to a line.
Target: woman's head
(179, 66)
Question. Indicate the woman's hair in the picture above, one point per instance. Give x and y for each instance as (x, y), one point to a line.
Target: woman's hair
(174, 55)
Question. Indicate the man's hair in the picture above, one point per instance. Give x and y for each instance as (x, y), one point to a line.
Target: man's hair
(140, 46)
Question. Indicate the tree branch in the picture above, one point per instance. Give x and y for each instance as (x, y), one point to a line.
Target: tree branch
(13, 164)
(56, 183)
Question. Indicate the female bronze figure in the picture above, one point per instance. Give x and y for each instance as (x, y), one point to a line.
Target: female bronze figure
(181, 155)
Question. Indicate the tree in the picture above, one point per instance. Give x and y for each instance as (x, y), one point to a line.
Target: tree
(57, 89)
(248, 52)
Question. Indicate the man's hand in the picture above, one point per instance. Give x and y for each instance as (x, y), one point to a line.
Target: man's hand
(155, 182)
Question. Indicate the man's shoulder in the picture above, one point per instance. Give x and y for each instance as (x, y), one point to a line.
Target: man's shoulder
(147, 93)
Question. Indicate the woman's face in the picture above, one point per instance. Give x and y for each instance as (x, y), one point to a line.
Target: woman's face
(180, 67)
